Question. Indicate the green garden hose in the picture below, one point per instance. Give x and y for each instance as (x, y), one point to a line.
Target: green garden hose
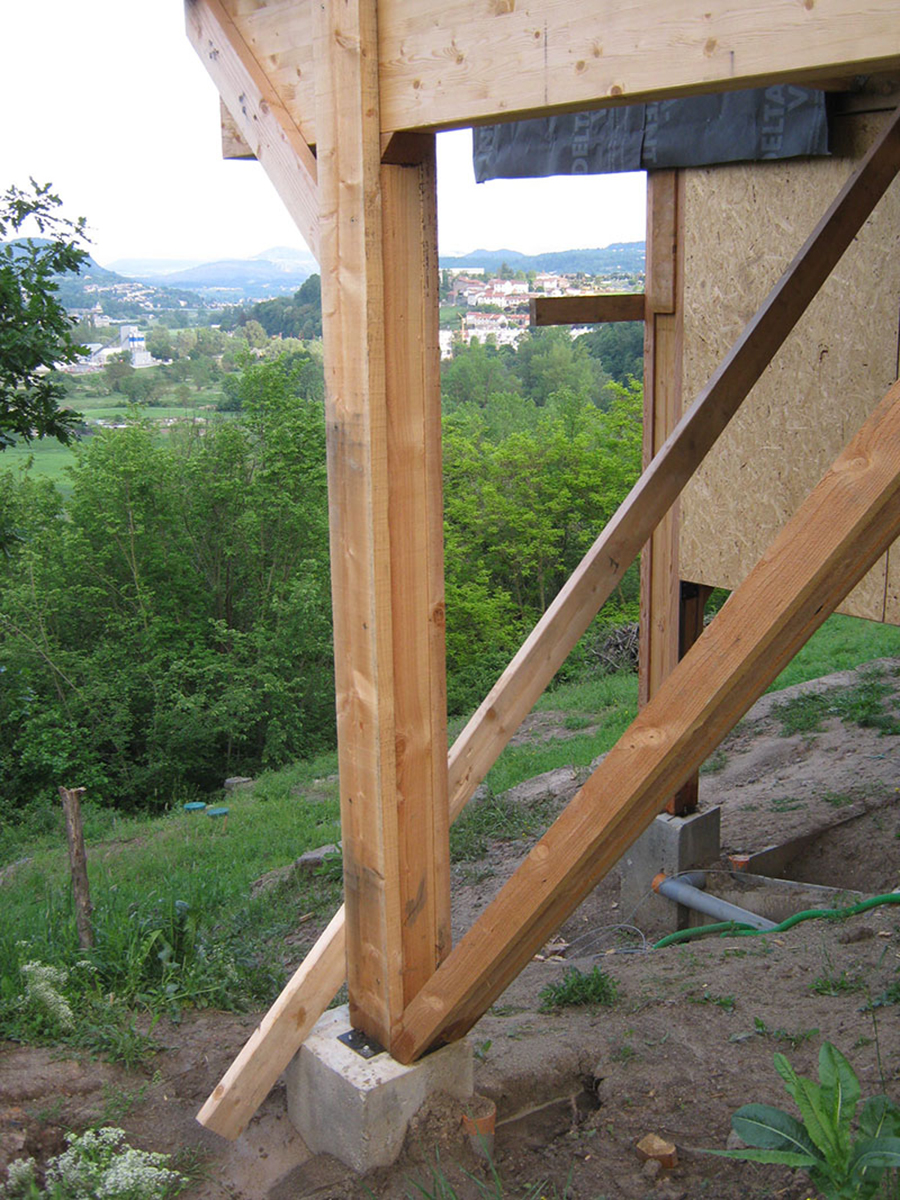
(736, 929)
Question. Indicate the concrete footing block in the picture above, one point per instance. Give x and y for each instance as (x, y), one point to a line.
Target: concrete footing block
(672, 845)
(357, 1108)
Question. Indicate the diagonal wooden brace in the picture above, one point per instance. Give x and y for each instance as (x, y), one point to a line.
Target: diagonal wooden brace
(844, 526)
(257, 110)
(282, 1032)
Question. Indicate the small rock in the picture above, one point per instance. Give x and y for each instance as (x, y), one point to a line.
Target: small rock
(734, 1142)
(237, 783)
(653, 1146)
(652, 1168)
(861, 934)
(551, 785)
(313, 859)
(306, 863)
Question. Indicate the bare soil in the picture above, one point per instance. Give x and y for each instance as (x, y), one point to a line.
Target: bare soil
(689, 1039)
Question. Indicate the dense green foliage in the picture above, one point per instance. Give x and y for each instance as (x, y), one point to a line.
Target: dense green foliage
(173, 624)
(528, 488)
(297, 316)
(35, 329)
(168, 623)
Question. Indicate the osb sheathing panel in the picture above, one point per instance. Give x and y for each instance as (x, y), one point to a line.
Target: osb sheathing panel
(743, 225)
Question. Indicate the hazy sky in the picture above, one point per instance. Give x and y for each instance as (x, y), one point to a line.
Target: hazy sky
(107, 100)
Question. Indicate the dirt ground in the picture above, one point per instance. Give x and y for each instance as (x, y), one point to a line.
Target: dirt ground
(690, 1038)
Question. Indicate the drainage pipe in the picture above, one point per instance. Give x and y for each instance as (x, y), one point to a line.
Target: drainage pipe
(810, 914)
(684, 891)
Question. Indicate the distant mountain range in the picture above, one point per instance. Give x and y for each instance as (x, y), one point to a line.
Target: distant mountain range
(626, 258)
(278, 271)
(129, 287)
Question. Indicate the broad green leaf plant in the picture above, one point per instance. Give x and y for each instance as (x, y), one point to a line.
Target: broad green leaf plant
(843, 1163)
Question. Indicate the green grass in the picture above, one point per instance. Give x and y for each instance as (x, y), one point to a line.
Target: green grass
(451, 315)
(576, 989)
(49, 459)
(495, 819)
(174, 919)
(840, 644)
(862, 704)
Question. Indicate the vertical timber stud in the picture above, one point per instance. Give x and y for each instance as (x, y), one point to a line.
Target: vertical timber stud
(381, 495)
(416, 519)
(663, 346)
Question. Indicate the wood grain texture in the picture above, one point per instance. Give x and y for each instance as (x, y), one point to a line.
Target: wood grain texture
(233, 144)
(261, 116)
(454, 64)
(513, 696)
(446, 65)
(81, 890)
(357, 449)
(587, 310)
(416, 519)
(662, 411)
(743, 222)
(844, 525)
(380, 322)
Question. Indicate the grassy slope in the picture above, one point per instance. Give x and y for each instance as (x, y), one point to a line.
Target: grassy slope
(146, 874)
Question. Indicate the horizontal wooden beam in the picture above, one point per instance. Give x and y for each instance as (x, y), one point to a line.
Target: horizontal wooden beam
(262, 119)
(513, 696)
(587, 310)
(458, 63)
(844, 526)
(451, 64)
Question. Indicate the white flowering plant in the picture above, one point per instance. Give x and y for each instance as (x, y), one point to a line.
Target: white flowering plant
(43, 997)
(98, 1165)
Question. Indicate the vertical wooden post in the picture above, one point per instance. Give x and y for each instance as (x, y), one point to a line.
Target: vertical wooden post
(416, 519)
(663, 616)
(691, 608)
(71, 802)
(377, 233)
(662, 409)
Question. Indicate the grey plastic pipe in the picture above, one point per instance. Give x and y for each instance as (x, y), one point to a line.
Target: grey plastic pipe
(684, 891)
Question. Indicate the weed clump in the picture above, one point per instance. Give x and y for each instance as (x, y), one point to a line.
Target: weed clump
(576, 989)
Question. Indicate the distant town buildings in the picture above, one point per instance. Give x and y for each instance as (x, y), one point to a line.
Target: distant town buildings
(131, 339)
(498, 309)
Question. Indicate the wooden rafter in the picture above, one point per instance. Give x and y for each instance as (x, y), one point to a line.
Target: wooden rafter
(258, 112)
(847, 522)
(290, 1020)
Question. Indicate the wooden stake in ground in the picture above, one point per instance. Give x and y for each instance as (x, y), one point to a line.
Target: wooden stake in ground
(71, 802)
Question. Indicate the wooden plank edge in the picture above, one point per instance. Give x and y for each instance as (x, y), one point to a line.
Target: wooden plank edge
(261, 117)
(285, 1026)
(587, 309)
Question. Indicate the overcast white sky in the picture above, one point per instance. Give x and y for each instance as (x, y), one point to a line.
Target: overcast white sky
(107, 100)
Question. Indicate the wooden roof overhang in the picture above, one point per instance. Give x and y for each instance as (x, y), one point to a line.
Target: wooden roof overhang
(339, 101)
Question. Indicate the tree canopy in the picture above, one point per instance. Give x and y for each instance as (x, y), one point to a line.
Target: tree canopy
(35, 329)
